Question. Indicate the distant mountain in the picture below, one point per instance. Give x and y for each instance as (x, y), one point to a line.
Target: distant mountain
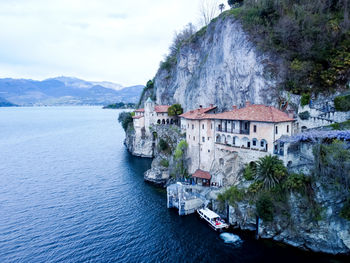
(66, 91)
(6, 103)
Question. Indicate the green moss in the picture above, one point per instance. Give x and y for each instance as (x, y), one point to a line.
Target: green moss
(296, 182)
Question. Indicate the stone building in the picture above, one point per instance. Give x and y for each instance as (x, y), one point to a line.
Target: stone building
(250, 132)
(150, 115)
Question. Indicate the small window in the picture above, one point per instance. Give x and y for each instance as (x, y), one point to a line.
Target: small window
(234, 141)
(246, 126)
(287, 128)
(254, 142)
(262, 144)
(192, 126)
(194, 138)
(208, 151)
(254, 128)
(203, 126)
(276, 129)
(203, 139)
(208, 138)
(234, 126)
(211, 126)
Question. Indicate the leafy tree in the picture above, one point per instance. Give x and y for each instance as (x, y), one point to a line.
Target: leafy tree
(179, 157)
(221, 7)
(175, 110)
(270, 170)
(125, 118)
(305, 115)
(163, 145)
(232, 195)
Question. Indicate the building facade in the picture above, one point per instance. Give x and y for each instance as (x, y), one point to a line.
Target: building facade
(151, 115)
(250, 131)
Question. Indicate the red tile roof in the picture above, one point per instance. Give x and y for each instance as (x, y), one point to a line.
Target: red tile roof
(140, 110)
(197, 114)
(161, 108)
(254, 112)
(201, 174)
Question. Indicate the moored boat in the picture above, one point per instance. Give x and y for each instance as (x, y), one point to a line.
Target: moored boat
(213, 219)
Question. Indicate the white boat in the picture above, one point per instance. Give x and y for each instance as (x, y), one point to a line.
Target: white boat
(212, 218)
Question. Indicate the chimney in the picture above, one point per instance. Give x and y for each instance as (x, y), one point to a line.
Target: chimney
(234, 107)
(200, 106)
(211, 105)
(247, 103)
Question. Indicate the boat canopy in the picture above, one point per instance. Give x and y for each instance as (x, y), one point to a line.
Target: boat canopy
(210, 214)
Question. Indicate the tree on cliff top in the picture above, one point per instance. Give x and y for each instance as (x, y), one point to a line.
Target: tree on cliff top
(125, 118)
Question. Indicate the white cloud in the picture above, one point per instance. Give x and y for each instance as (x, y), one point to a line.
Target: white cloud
(120, 41)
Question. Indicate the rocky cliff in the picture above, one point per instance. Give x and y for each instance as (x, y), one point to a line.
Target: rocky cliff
(219, 65)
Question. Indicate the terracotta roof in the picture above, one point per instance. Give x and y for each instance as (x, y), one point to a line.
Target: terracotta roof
(202, 174)
(161, 108)
(137, 117)
(140, 110)
(197, 114)
(254, 112)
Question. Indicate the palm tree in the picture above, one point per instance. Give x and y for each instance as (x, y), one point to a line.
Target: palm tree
(221, 7)
(270, 170)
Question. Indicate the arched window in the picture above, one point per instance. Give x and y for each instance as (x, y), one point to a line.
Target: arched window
(229, 140)
(263, 145)
(167, 121)
(245, 142)
(158, 121)
(171, 121)
(218, 139)
(255, 143)
(163, 121)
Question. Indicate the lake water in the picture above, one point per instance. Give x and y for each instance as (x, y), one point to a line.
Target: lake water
(70, 192)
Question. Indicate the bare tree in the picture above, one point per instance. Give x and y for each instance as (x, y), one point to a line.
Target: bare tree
(208, 10)
(221, 7)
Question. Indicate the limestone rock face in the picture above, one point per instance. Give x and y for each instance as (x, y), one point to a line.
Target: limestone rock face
(138, 146)
(329, 233)
(222, 67)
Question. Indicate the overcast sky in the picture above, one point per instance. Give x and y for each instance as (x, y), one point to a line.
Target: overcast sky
(111, 40)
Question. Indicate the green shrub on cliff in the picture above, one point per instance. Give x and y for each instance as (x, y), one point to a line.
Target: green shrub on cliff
(312, 37)
(249, 171)
(231, 195)
(296, 182)
(305, 115)
(125, 118)
(164, 163)
(265, 207)
(342, 103)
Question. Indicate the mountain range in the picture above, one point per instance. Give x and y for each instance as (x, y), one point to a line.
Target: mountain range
(65, 91)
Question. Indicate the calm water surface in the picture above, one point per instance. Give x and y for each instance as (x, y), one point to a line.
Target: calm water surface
(70, 192)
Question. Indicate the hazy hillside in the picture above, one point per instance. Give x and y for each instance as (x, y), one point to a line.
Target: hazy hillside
(6, 103)
(66, 91)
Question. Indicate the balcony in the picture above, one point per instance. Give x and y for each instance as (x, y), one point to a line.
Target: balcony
(233, 131)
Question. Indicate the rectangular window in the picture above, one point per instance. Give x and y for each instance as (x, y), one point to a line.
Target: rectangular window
(194, 138)
(208, 151)
(211, 126)
(287, 128)
(262, 144)
(246, 126)
(234, 126)
(208, 138)
(276, 129)
(192, 126)
(203, 126)
(203, 139)
(254, 143)
(254, 128)
(234, 141)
